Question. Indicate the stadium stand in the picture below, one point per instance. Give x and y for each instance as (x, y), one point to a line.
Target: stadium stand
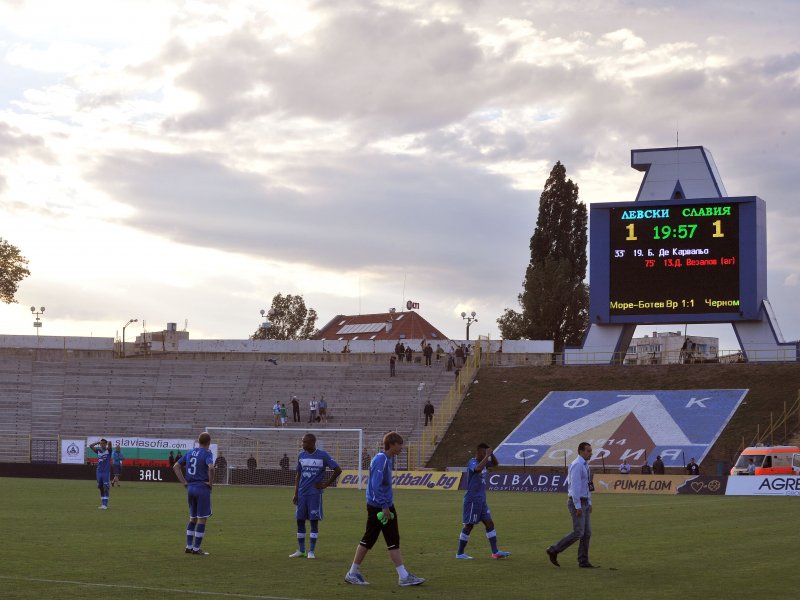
(177, 398)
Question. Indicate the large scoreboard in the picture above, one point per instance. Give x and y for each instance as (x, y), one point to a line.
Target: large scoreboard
(678, 261)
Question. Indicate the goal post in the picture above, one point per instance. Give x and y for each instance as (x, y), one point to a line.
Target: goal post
(268, 455)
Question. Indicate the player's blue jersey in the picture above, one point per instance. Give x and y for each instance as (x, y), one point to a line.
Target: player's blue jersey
(476, 482)
(117, 457)
(103, 460)
(379, 486)
(312, 470)
(197, 461)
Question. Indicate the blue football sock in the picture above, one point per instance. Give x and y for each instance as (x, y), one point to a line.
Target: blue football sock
(463, 539)
(104, 495)
(492, 535)
(301, 535)
(314, 533)
(199, 533)
(190, 534)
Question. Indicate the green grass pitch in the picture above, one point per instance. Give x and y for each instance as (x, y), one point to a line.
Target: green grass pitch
(57, 544)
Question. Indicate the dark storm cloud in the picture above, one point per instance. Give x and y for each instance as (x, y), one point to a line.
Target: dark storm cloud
(373, 212)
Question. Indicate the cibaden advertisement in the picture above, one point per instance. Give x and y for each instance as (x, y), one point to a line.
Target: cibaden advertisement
(406, 480)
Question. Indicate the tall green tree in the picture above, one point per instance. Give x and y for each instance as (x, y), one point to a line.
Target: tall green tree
(289, 319)
(555, 297)
(13, 270)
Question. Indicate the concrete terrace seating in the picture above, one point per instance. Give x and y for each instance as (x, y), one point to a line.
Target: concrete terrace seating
(178, 398)
(15, 409)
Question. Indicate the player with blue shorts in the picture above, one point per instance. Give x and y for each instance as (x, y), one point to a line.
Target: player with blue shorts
(199, 463)
(475, 507)
(308, 485)
(103, 451)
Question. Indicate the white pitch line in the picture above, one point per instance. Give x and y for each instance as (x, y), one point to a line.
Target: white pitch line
(144, 588)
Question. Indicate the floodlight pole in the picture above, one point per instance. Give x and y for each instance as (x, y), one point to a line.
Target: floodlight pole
(469, 319)
(37, 324)
(122, 350)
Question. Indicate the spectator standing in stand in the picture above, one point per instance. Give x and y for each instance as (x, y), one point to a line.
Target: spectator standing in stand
(428, 411)
(409, 354)
(392, 370)
(428, 353)
(312, 410)
(693, 468)
(295, 410)
(323, 409)
(402, 353)
(276, 414)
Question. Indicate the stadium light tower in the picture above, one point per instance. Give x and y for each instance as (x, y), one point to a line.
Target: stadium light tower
(123, 353)
(470, 319)
(38, 322)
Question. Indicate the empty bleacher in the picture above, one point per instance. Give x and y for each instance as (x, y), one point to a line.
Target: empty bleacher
(178, 398)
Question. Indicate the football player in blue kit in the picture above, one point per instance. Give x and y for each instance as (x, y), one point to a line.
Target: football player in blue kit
(382, 516)
(103, 451)
(199, 463)
(475, 507)
(308, 485)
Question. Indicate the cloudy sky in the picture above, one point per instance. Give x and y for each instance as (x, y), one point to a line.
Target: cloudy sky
(186, 160)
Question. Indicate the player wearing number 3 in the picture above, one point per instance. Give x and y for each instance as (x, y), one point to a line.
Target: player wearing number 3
(199, 463)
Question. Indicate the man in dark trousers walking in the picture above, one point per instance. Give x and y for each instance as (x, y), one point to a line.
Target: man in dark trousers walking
(428, 411)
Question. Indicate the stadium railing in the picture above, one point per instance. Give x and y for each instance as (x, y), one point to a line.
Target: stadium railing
(781, 427)
(447, 410)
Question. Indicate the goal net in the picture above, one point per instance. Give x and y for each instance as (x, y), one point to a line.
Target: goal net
(268, 455)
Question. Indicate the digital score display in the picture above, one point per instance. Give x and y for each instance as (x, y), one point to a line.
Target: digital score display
(677, 261)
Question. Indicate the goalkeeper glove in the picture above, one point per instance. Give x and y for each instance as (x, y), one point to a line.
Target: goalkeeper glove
(384, 518)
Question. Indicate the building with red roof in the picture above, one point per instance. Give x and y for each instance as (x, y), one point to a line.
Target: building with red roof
(382, 326)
